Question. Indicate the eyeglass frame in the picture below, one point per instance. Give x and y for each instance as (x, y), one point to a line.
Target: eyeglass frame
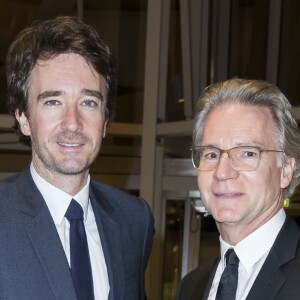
(222, 151)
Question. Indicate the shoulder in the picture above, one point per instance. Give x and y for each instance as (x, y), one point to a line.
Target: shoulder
(8, 189)
(285, 251)
(288, 237)
(121, 204)
(18, 179)
(8, 181)
(132, 213)
(116, 196)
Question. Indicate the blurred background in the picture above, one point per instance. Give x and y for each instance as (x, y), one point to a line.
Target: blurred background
(167, 51)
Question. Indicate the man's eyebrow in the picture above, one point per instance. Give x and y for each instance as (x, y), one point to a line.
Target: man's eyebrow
(48, 94)
(54, 93)
(237, 144)
(93, 93)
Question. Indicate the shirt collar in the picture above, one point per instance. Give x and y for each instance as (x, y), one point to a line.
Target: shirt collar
(252, 248)
(57, 200)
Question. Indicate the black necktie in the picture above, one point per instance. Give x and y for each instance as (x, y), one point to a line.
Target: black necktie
(229, 279)
(79, 253)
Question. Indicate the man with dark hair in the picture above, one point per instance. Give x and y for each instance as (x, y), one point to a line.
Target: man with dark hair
(246, 147)
(64, 236)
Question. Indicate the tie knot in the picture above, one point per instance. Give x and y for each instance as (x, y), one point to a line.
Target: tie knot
(74, 211)
(231, 257)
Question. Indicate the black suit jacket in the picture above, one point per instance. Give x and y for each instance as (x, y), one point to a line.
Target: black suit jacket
(279, 277)
(33, 265)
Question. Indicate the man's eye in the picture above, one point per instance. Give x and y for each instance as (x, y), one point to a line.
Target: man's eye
(248, 154)
(90, 103)
(210, 155)
(52, 103)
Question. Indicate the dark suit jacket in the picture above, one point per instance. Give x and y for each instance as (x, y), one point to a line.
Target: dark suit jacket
(279, 277)
(33, 265)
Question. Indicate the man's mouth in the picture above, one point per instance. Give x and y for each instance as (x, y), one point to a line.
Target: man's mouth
(228, 195)
(70, 144)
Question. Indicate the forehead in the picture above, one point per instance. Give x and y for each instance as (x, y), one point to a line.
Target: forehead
(64, 62)
(64, 71)
(233, 124)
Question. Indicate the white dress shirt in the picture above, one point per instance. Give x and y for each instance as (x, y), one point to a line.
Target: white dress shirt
(252, 252)
(58, 202)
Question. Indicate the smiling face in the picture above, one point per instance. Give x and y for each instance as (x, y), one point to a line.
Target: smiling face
(66, 123)
(243, 200)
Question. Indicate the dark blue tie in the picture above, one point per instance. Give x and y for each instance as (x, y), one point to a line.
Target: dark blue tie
(79, 253)
(229, 279)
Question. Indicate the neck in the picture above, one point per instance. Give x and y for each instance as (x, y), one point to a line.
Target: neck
(70, 184)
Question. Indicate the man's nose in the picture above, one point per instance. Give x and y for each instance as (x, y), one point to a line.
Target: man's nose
(224, 170)
(72, 119)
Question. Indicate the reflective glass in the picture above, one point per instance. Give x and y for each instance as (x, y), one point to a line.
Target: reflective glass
(289, 62)
(248, 38)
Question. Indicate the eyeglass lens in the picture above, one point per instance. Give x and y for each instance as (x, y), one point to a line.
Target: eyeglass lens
(241, 158)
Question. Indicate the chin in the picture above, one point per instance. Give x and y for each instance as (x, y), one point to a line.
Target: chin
(224, 216)
(72, 168)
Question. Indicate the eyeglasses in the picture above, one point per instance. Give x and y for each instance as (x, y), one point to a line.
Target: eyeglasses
(243, 158)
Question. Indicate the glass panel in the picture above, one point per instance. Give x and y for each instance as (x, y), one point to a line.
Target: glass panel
(248, 40)
(174, 101)
(172, 247)
(178, 147)
(289, 64)
(122, 24)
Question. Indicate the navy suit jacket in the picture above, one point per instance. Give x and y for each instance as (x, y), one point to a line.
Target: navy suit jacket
(279, 277)
(33, 265)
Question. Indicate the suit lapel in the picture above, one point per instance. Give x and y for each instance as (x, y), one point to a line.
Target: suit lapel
(51, 255)
(43, 235)
(268, 281)
(111, 237)
(271, 277)
(210, 278)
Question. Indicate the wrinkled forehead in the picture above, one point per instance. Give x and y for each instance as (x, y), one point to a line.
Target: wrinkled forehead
(235, 123)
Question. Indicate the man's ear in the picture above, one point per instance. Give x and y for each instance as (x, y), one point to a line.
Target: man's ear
(23, 121)
(287, 172)
(104, 129)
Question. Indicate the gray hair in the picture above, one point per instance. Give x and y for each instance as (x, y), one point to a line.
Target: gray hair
(254, 93)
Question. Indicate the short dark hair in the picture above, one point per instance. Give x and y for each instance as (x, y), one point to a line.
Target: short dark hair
(46, 39)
